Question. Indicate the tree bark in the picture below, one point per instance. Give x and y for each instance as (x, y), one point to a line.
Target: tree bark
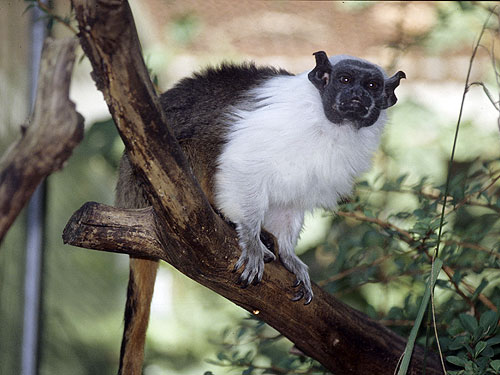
(182, 229)
(54, 131)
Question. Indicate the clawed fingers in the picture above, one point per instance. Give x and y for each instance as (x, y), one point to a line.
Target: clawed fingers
(305, 292)
(298, 296)
(269, 257)
(253, 272)
(239, 263)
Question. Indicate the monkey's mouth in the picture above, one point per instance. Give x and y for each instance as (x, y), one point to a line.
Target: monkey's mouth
(353, 108)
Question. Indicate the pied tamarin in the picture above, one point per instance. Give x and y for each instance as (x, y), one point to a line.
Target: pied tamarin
(266, 146)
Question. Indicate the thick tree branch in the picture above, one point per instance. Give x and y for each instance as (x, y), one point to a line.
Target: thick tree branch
(54, 131)
(183, 230)
(101, 227)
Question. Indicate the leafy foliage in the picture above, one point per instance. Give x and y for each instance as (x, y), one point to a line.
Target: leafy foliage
(474, 344)
(255, 348)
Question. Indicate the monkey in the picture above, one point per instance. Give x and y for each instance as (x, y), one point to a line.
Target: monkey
(266, 146)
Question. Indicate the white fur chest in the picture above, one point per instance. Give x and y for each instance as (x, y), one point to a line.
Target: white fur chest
(286, 153)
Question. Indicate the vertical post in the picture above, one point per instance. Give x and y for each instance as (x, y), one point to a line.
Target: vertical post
(35, 228)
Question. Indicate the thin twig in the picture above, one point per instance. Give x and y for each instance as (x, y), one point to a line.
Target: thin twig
(46, 9)
(449, 273)
(436, 196)
(478, 194)
(379, 222)
(487, 92)
(349, 271)
(473, 246)
(455, 139)
(386, 280)
(485, 300)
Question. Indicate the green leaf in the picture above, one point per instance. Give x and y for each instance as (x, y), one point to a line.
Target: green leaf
(482, 364)
(420, 213)
(480, 346)
(249, 356)
(480, 288)
(401, 178)
(458, 343)
(495, 365)
(221, 356)
(212, 362)
(369, 213)
(493, 341)
(488, 352)
(468, 322)
(457, 361)
(478, 334)
(488, 321)
(241, 332)
(456, 329)
(403, 215)
(457, 277)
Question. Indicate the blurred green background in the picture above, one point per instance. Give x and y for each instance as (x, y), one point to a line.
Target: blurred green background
(193, 330)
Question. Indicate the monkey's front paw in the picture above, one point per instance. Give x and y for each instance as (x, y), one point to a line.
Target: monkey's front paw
(254, 267)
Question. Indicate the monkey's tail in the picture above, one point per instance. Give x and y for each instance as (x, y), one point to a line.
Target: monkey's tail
(130, 194)
(140, 291)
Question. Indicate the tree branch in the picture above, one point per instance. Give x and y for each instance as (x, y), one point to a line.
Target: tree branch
(101, 227)
(183, 230)
(55, 130)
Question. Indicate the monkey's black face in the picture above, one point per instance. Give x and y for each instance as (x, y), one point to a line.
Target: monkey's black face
(353, 91)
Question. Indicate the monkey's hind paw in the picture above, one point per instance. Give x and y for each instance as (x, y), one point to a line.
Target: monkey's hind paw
(305, 291)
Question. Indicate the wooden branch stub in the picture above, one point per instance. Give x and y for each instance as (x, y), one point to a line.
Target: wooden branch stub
(100, 227)
(54, 131)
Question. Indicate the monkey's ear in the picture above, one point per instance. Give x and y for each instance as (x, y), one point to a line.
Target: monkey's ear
(389, 87)
(320, 75)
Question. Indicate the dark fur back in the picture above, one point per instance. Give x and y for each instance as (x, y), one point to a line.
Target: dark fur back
(197, 107)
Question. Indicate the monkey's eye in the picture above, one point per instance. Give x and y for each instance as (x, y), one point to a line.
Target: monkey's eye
(345, 79)
(372, 85)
